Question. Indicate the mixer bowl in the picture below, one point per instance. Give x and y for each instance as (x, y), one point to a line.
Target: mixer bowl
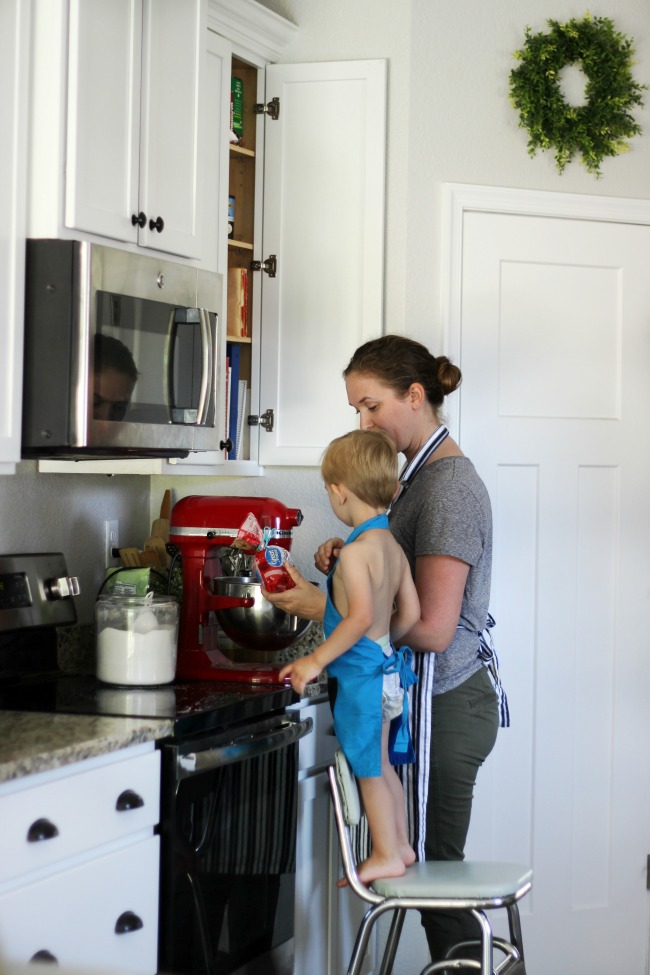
(261, 626)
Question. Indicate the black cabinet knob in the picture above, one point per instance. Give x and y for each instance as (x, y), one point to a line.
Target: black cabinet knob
(139, 219)
(127, 922)
(44, 956)
(128, 800)
(157, 224)
(41, 829)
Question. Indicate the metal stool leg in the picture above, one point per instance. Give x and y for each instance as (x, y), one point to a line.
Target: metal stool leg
(388, 959)
(516, 937)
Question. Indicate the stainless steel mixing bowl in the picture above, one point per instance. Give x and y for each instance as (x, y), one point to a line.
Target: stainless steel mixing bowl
(261, 626)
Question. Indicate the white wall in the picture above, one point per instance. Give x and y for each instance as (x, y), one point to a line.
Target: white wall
(65, 513)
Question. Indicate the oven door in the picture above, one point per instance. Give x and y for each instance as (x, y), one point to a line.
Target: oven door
(228, 828)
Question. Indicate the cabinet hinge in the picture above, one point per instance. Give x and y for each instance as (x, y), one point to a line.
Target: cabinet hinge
(270, 265)
(265, 420)
(272, 109)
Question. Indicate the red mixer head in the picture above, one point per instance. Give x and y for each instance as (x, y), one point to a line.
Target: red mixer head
(200, 526)
(199, 522)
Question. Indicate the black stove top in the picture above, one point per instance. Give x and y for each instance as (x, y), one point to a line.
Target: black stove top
(192, 706)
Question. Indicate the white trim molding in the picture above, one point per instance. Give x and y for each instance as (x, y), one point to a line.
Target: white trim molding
(254, 31)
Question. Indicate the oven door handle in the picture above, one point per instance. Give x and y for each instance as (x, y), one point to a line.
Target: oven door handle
(247, 746)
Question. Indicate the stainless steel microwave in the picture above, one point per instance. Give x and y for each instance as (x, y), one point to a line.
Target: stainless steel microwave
(120, 354)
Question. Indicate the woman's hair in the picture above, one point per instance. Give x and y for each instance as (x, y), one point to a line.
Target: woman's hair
(365, 461)
(397, 362)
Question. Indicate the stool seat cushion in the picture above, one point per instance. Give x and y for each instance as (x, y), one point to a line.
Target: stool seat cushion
(456, 880)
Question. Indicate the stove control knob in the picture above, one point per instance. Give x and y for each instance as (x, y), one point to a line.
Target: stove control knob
(62, 587)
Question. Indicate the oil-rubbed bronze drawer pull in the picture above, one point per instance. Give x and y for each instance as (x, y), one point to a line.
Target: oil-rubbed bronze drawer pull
(44, 956)
(41, 829)
(127, 922)
(128, 800)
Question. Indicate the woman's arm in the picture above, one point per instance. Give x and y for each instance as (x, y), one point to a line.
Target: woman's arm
(440, 581)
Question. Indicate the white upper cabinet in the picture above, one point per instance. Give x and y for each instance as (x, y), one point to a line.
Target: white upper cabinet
(324, 221)
(117, 128)
(14, 45)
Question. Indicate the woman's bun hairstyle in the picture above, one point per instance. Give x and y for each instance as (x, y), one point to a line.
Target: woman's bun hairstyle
(398, 362)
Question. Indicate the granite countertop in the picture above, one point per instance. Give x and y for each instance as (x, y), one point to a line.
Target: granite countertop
(32, 742)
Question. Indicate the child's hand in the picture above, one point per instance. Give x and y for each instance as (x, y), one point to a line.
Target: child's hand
(327, 554)
(301, 672)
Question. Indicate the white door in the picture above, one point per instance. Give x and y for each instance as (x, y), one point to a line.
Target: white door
(550, 322)
(324, 162)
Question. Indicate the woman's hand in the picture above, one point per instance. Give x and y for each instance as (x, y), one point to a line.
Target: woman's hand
(327, 554)
(305, 599)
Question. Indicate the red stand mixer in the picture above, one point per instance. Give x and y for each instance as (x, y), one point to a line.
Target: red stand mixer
(203, 528)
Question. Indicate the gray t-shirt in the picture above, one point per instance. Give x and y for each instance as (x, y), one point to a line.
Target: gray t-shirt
(446, 511)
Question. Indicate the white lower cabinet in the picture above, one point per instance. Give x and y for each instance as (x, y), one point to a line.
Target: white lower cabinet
(79, 864)
(101, 914)
(326, 918)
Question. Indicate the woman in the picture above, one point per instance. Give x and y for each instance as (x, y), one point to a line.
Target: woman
(442, 519)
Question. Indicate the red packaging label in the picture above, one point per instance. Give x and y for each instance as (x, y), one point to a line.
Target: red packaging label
(270, 564)
(250, 536)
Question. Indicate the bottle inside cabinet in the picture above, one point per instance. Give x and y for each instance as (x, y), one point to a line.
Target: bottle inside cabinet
(241, 234)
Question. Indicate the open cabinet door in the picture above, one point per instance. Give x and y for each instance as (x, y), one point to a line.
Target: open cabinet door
(324, 163)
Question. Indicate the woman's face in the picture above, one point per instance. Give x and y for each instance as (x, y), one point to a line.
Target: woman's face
(381, 408)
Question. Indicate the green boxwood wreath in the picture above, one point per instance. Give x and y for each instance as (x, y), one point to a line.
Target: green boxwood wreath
(595, 130)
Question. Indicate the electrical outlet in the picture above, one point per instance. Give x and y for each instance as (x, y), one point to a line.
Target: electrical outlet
(111, 541)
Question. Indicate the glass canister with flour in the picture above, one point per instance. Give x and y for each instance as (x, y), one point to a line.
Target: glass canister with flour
(136, 639)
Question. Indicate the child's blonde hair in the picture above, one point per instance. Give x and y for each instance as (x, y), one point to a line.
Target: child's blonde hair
(365, 461)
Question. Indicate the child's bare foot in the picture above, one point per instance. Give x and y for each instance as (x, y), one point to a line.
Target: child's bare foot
(407, 854)
(375, 868)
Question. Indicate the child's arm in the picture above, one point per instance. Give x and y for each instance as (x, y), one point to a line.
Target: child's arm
(407, 605)
(355, 576)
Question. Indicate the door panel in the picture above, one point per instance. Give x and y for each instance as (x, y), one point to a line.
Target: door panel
(552, 333)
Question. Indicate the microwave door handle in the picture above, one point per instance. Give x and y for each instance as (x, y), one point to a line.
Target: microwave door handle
(206, 367)
(171, 351)
(249, 746)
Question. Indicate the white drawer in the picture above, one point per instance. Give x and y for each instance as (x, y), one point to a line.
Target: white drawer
(72, 915)
(76, 812)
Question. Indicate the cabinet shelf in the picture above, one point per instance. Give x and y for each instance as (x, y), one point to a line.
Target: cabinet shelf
(243, 245)
(236, 150)
(240, 339)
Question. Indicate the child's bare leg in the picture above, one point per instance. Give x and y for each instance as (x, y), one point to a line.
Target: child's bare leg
(385, 859)
(397, 794)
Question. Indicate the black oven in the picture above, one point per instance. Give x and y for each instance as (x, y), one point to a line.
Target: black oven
(228, 826)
